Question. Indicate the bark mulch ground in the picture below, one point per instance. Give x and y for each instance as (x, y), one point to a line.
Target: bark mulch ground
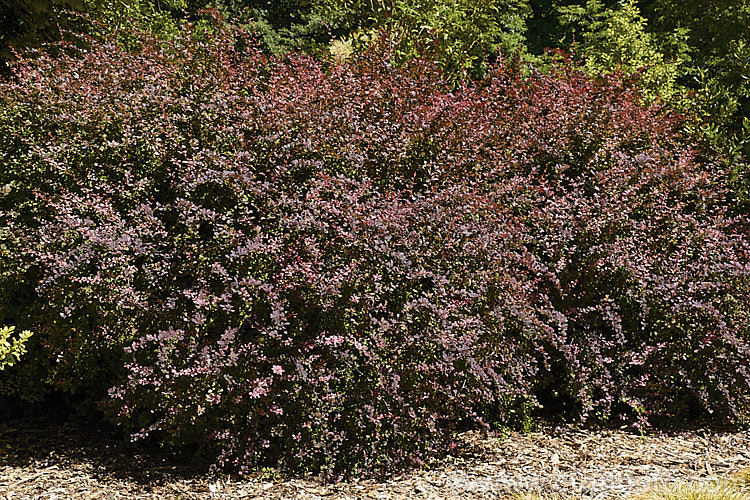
(41, 460)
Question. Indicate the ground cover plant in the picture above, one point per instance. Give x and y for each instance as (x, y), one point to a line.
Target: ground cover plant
(333, 267)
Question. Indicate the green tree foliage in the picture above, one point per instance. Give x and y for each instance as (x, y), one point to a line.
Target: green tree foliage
(280, 25)
(461, 35)
(694, 54)
(713, 37)
(161, 17)
(551, 25)
(616, 39)
(30, 24)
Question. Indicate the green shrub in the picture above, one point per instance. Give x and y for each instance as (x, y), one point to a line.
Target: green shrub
(461, 36)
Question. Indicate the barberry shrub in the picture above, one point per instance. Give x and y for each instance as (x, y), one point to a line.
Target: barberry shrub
(334, 268)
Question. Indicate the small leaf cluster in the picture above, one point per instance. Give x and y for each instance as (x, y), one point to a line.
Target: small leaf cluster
(335, 268)
(11, 352)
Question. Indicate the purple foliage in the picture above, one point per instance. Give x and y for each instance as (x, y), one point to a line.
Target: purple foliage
(333, 269)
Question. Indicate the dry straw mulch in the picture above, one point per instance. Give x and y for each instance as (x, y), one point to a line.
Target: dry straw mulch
(41, 460)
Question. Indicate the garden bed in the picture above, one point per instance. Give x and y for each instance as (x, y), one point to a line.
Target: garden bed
(41, 460)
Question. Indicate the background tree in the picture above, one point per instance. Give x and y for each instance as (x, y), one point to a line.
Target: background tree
(694, 54)
(280, 25)
(615, 38)
(461, 35)
(29, 24)
(713, 37)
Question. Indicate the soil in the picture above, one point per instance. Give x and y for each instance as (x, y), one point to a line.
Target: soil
(43, 460)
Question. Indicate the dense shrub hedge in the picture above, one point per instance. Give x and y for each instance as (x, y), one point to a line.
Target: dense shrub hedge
(332, 269)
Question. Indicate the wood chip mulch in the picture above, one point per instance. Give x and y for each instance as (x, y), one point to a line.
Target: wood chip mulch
(39, 460)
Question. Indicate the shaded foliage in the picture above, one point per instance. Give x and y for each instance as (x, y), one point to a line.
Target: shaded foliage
(31, 24)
